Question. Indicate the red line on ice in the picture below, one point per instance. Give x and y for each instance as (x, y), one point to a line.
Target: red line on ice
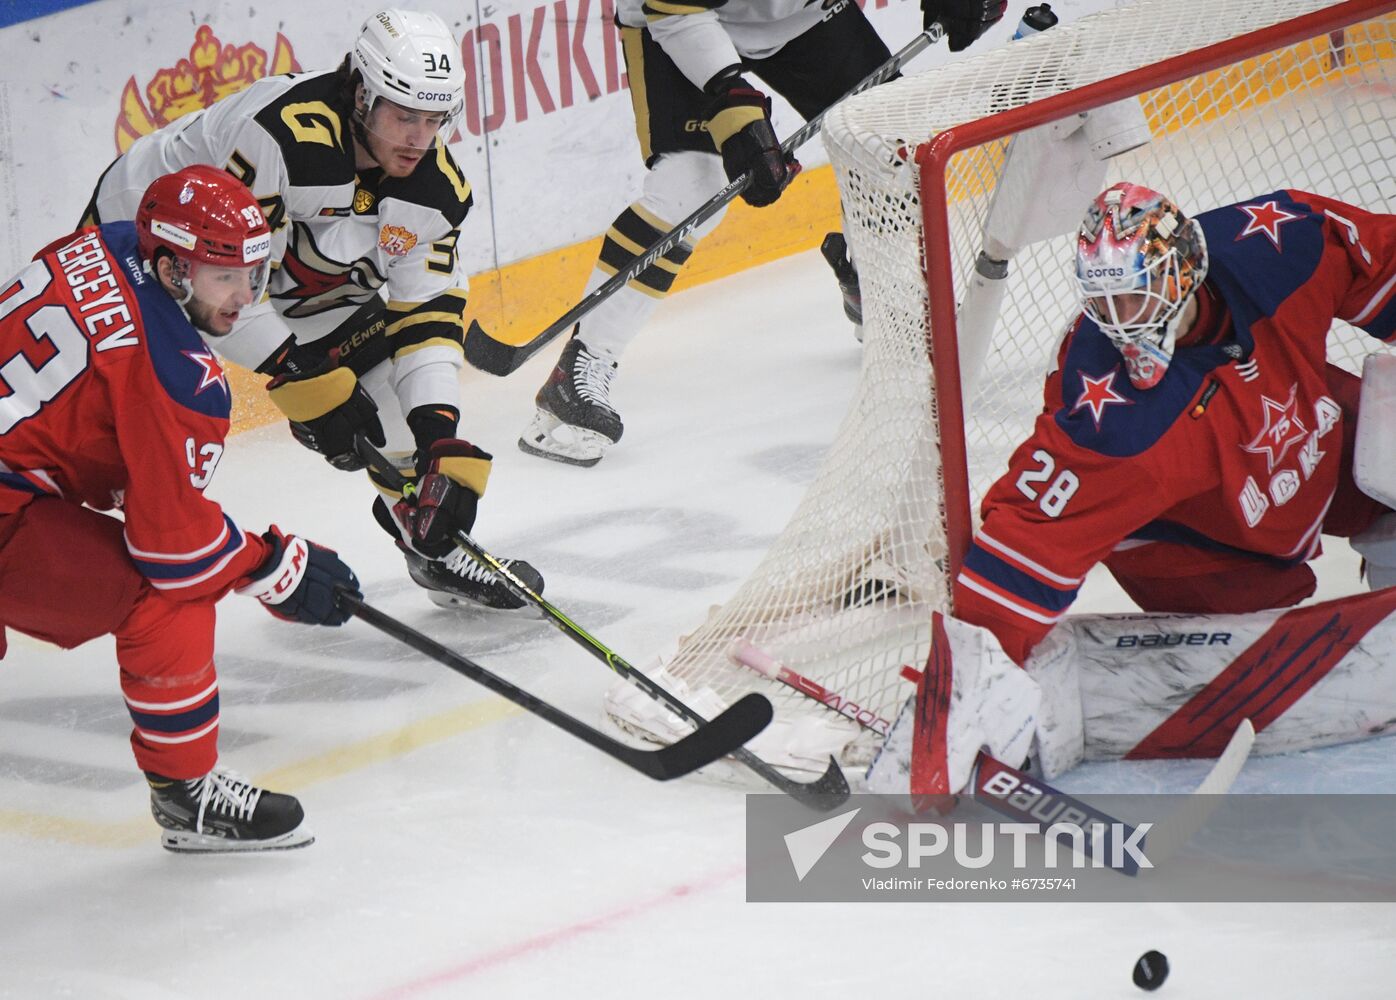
(562, 935)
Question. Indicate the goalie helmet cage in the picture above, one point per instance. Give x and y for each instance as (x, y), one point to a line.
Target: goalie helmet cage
(1240, 97)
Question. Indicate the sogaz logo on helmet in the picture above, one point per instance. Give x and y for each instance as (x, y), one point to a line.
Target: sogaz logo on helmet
(256, 248)
(427, 95)
(1104, 272)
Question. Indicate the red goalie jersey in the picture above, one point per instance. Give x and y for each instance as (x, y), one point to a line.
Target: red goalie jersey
(111, 399)
(1209, 491)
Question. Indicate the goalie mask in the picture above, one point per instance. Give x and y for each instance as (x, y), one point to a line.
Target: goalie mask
(1138, 261)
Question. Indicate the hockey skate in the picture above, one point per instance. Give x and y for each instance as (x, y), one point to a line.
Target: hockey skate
(458, 581)
(223, 813)
(575, 422)
(835, 251)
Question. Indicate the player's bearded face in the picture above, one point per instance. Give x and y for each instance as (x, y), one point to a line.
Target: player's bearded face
(398, 137)
(219, 296)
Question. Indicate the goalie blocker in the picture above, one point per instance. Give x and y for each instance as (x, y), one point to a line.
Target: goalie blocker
(1142, 686)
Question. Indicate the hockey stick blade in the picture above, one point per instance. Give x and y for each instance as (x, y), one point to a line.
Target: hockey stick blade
(709, 742)
(1183, 823)
(827, 792)
(498, 358)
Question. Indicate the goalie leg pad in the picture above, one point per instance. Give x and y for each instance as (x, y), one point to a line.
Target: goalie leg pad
(1060, 741)
(1374, 460)
(1377, 545)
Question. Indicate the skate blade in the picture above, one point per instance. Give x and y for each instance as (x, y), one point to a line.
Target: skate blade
(189, 842)
(454, 602)
(581, 447)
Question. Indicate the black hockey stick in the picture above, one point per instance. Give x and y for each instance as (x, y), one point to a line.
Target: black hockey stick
(707, 743)
(498, 358)
(827, 792)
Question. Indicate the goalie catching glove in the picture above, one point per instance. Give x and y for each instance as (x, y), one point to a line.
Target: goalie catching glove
(444, 498)
(299, 581)
(326, 410)
(739, 121)
(963, 20)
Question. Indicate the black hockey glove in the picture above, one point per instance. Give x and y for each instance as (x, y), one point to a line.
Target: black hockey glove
(298, 581)
(444, 498)
(739, 121)
(963, 20)
(326, 410)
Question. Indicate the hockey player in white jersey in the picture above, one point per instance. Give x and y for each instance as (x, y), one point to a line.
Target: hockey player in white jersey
(363, 326)
(701, 123)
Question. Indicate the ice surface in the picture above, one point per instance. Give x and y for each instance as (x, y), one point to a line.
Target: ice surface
(466, 849)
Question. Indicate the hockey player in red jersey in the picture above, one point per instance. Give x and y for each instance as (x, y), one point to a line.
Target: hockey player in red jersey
(1194, 439)
(112, 400)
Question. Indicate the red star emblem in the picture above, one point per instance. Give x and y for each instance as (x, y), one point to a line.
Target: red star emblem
(1283, 429)
(1098, 393)
(212, 370)
(1267, 219)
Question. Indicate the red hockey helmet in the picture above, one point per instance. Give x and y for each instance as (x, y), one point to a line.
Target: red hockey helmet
(204, 215)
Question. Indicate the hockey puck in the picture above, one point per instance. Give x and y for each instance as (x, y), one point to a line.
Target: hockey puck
(1151, 970)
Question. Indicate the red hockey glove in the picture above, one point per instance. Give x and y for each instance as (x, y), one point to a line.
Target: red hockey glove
(298, 581)
(963, 20)
(739, 121)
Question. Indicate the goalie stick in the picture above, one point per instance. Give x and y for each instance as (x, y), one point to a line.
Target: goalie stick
(498, 358)
(825, 793)
(709, 742)
(1015, 793)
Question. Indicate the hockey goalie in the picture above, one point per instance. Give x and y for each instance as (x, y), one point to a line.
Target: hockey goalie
(1196, 442)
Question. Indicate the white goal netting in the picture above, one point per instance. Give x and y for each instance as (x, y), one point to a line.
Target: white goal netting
(1234, 97)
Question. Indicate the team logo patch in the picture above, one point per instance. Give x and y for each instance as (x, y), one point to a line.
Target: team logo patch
(1282, 431)
(363, 201)
(212, 373)
(1265, 218)
(396, 241)
(1098, 393)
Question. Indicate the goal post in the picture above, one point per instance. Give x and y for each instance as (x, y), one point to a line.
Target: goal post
(960, 190)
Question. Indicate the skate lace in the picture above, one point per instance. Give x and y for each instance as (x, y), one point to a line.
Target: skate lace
(592, 377)
(227, 794)
(461, 563)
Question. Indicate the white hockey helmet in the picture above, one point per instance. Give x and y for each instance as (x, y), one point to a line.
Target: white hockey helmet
(412, 59)
(1138, 261)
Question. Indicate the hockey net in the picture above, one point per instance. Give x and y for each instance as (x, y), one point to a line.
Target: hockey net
(1235, 98)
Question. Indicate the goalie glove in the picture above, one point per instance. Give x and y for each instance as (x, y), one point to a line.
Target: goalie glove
(964, 20)
(327, 410)
(739, 121)
(444, 498)
(299, 581)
